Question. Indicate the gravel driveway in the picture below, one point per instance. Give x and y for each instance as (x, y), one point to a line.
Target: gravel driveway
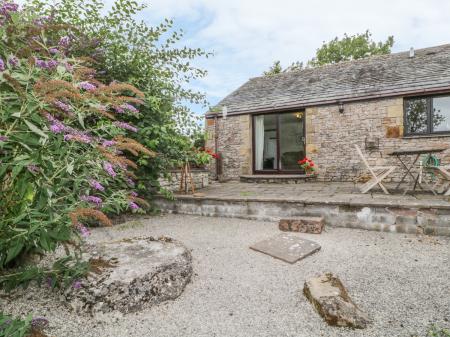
(401, 281)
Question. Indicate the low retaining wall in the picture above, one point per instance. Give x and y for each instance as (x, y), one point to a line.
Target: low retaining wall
(172, 183)
(430, 221)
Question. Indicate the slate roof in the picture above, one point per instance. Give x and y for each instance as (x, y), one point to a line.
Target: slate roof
(376, 76)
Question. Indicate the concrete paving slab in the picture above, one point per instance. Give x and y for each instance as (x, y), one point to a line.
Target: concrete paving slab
(287, 247)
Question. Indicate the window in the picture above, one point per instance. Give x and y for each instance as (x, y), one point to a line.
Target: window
(427, 115)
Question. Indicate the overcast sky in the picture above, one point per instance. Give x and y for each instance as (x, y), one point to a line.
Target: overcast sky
(248, 35)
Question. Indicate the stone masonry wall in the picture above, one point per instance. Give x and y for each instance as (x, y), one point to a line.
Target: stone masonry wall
(200, 178)
(330, 137)
(234, 139)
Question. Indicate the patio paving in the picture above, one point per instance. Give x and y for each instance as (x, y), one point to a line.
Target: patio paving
(337, 193)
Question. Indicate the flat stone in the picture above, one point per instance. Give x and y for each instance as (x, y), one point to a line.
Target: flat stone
(330, 299)
(132, 274)
(287, 247)
(312, 225)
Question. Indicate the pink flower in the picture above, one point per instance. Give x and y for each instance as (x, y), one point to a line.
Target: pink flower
(95, 184)
(134, 194)
(109, 169)
(92, 199)
(126, 126)
(133, 205)
(87, 86)
(108, 143)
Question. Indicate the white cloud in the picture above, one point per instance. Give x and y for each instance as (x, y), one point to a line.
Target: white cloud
(248, 35)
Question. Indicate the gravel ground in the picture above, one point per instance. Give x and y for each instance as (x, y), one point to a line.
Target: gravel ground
(401, 281)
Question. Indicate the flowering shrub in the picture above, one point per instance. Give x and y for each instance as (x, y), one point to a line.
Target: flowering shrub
(202, 157)
(307, 165)
(65, 154)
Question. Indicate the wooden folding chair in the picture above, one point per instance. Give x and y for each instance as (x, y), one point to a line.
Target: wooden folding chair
(378, 174)
(442, 174)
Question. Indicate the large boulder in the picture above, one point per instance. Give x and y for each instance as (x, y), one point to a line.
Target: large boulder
(330, 299)
(132, 274)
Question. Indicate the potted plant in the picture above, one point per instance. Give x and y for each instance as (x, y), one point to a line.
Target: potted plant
(307, 165)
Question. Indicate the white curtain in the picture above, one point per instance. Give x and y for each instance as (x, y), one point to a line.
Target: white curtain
(259, 142)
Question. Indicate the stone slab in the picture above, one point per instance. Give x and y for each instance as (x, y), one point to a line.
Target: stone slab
(330, 299)
(287, 247)
(304, 224)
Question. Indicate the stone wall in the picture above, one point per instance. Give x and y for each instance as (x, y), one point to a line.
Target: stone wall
(200, 177)
(234, 140)
(330, 139)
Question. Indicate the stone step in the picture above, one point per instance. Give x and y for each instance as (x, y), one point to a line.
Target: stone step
(305, 224)
(277, 178)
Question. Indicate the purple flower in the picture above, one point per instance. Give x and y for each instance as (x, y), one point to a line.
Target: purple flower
(119, 109)
(57, 128)
(95, 184)
(13, 61)
(126, 126)
(64, 42)
(39, 322)
(40, 63)
(77, 284)
(131, 182)
(53, 51)
(83, 230)
(133, 205)
(49, 282)
(8, 7)
(87, 86)
(78, 137)
(2, 65)
(134, 194)
(63, 106)
(49, 65)
(52, 64)
(33, 168)
(109, 169)
(108, 143)
(130, 108)
(92, 199)
(3, 138)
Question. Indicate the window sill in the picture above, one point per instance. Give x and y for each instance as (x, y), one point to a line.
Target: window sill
(442, 135)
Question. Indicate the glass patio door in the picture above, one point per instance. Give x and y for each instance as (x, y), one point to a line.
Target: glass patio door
(278, 142)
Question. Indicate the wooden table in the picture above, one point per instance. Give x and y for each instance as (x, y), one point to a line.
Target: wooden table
(417, 153)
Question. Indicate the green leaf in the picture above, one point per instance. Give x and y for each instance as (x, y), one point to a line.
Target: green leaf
(13, 251)
(35, 129)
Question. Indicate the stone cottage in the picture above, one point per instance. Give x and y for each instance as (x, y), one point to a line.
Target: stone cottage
(381, 103)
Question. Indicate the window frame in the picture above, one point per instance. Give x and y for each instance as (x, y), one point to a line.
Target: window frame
(430, 116)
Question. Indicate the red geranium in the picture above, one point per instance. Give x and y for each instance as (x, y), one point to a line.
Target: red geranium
(307, 164)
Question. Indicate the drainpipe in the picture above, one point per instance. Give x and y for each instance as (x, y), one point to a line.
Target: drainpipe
(215, 146)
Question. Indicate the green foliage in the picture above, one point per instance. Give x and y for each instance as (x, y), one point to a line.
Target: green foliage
(348, 48)
(436, 331)
(62, 274)
(53, 130)
(351, 47)
(276, 68)
(149, 58)
(14, 327)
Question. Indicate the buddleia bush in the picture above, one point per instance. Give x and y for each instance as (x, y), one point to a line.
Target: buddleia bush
(65, 151)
